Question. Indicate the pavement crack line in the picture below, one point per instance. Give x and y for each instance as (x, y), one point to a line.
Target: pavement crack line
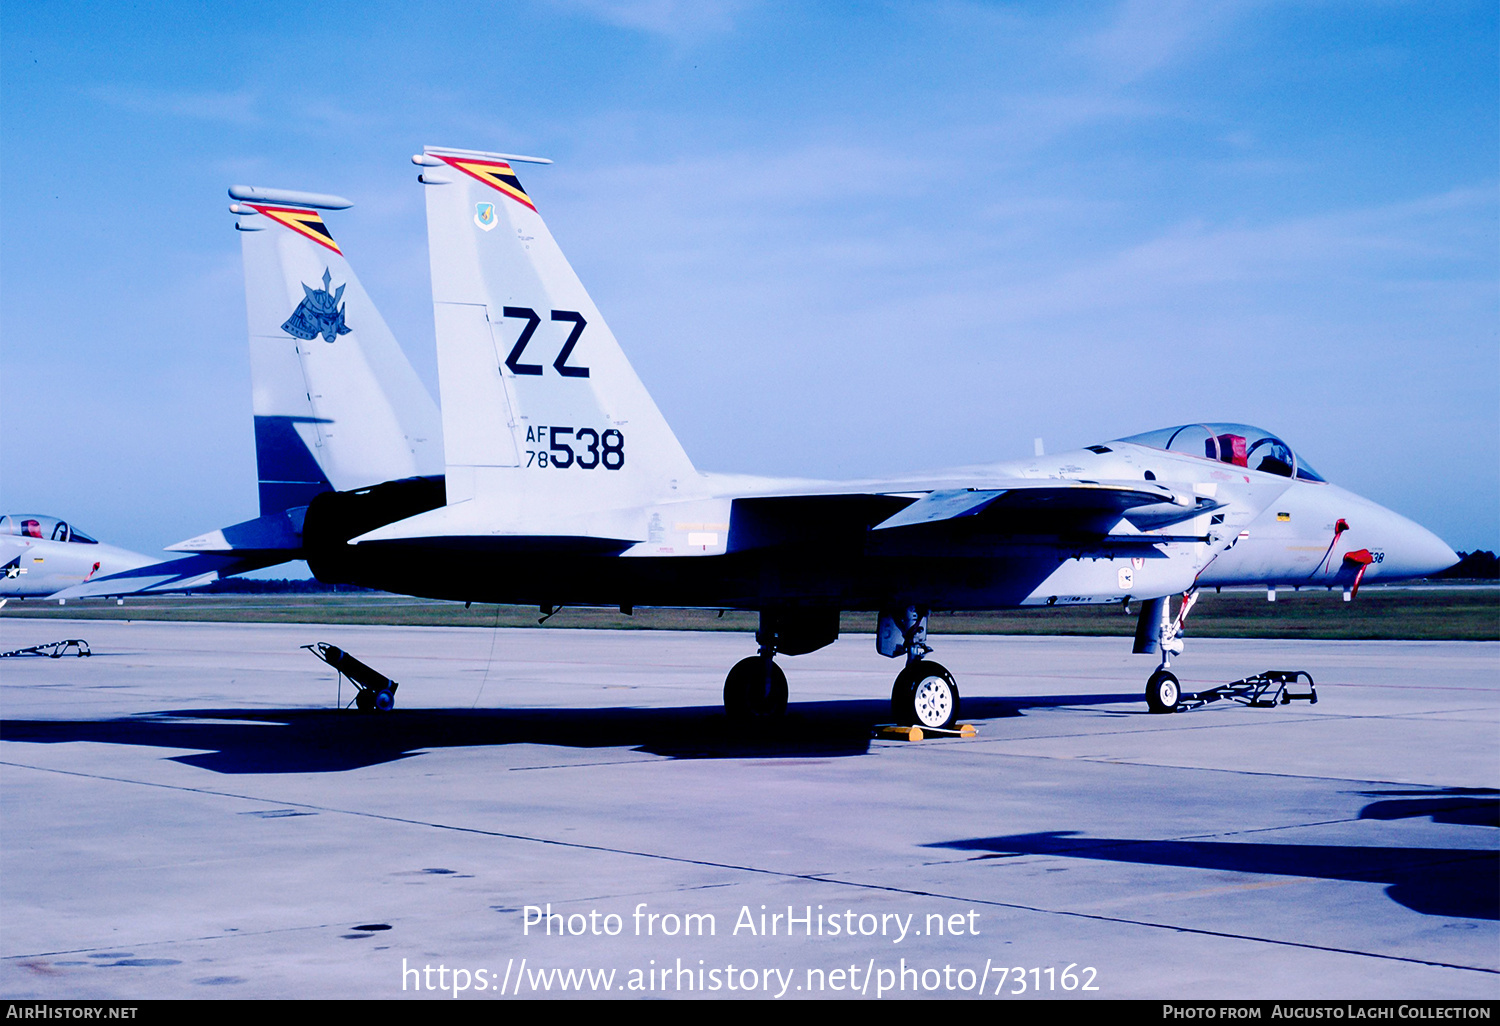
(1285, 720)
(761, 871)
(1231, 770)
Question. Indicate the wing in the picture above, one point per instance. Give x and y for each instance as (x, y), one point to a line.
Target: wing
(1058, 505)
(1052, 508)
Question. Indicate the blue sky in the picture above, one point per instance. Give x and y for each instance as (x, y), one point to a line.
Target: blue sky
(835, 239)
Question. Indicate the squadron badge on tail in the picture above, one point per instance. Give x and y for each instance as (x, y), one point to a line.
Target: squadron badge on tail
(319, 313)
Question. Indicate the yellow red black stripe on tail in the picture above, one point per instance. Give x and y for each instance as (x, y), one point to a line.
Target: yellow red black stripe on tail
(497, 174)
(307, 223)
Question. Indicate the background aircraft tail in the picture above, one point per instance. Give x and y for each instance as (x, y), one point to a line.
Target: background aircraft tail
(337, 404)
(543, 415)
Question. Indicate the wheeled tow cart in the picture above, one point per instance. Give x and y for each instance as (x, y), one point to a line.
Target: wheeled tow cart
(53, 649)
(374, 691)
(1264, 690)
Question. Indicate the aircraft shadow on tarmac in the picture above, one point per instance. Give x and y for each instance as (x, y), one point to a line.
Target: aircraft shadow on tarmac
(1455, 882)
(332, 740)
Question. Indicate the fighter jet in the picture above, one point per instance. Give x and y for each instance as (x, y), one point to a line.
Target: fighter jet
(46, 557)
(562, 484)
(42, 555)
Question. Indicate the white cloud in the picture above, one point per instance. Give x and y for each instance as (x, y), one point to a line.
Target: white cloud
(239, 107)
(1412, 243)
(679, 20)
(1147, 35)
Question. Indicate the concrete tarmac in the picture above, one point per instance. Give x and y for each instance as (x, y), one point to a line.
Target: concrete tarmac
(187, 814)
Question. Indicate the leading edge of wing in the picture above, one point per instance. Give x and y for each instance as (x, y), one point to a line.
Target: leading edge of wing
(1041, 495)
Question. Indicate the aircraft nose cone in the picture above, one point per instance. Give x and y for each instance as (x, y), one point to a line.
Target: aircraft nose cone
(1400, 549)
(1418, 552)
(1433, 554)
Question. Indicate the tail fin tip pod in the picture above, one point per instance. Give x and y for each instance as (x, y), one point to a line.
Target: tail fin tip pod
(337, 405)
(543, 415)
(255, 194)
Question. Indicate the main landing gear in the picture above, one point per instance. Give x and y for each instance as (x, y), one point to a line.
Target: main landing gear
(756, 687)
(925, 693)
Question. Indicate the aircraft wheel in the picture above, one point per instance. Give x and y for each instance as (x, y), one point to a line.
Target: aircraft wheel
(755, 687)
(365, 701)
(385, 701)
(1162, 692)
(925, 694)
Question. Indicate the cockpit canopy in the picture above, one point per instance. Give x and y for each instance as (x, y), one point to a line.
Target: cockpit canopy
(32, 525)
(1239, 445)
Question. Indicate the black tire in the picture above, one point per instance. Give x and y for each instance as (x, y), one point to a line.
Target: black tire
(365, 701)
(755, 687)
(925, 694)
(385, 700)
(1163, 692)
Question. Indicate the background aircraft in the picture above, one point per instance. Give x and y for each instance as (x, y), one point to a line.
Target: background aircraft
(562, 483)
(42, 555)
(46, 557)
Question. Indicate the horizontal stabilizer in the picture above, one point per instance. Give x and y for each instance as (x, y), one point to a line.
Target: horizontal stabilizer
(169, 575)
(275, 532)
(468, 525)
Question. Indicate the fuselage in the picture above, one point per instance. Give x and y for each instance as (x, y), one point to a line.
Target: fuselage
(731, 542)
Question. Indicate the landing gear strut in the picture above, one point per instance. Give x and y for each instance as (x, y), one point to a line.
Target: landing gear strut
(1158, 631)
(925, 692)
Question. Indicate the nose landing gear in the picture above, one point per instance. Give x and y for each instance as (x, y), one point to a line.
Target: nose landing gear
(1158, 631)
(1163, 692)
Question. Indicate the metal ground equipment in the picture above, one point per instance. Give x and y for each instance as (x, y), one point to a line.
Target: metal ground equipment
(1264, 690)
(374, 691)
(54, 649)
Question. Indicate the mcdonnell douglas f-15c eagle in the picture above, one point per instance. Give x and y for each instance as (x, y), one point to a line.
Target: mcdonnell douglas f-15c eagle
(553, 479)
(43, 556)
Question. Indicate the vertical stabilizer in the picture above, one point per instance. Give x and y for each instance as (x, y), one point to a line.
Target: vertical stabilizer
(543, 415)
(337, 405)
